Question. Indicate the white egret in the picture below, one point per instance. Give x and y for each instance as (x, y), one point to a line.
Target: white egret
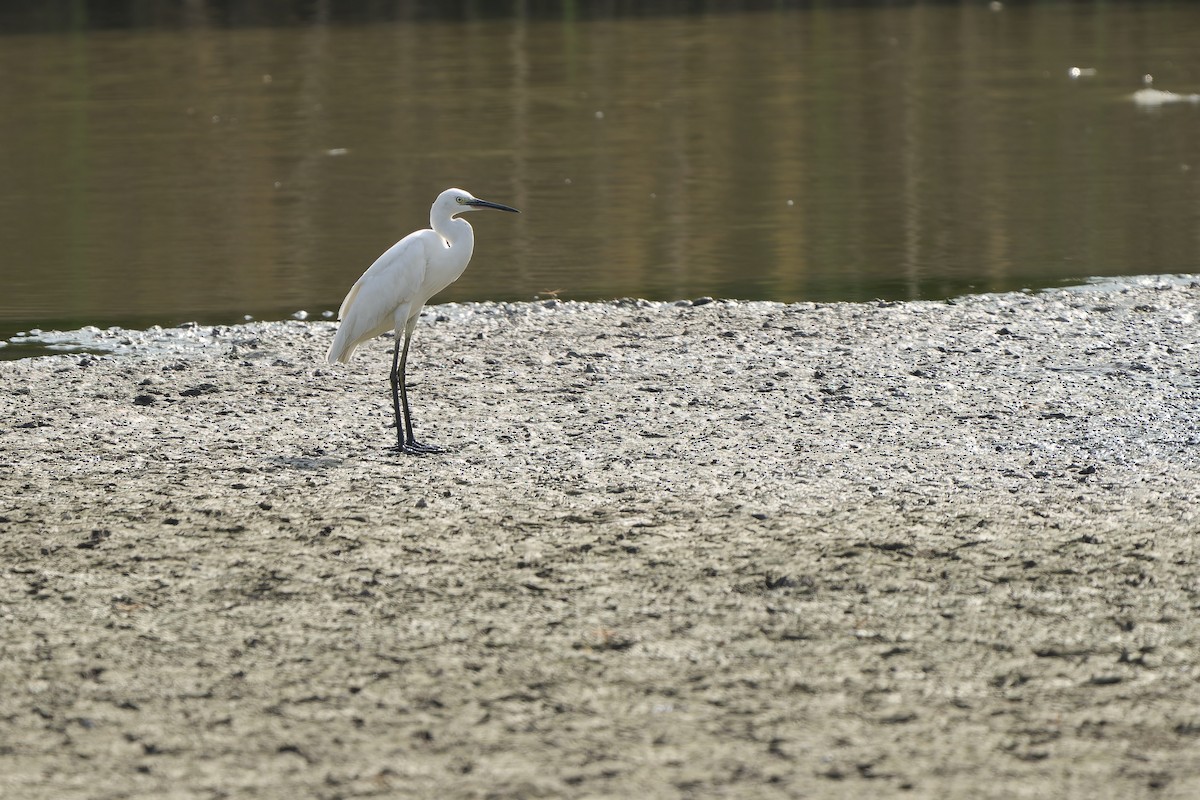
(391, 293)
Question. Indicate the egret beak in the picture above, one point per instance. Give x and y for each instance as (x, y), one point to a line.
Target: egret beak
(475, 201)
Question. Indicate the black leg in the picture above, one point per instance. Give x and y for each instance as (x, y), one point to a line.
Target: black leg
(394, 377)
(405, 441)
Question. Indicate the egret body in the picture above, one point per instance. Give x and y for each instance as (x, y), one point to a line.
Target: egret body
(393, 290)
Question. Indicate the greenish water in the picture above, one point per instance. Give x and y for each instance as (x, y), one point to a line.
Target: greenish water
(191, 165)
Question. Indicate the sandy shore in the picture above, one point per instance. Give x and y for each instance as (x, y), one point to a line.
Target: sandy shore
(727, 550)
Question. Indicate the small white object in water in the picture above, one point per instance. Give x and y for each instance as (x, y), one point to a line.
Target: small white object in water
(300, 315)
(247, 318)
(1157, 97)
(599, 115)
(327, 314)
(791, 202)
(336, 151)
(996, 5)
(1081, 72)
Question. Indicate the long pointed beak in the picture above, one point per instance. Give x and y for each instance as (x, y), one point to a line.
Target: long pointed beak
(475, 201)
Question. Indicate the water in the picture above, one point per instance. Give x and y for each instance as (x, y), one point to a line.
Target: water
(194, 164)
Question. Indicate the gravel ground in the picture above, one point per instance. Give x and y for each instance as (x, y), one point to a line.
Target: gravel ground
(720, 550)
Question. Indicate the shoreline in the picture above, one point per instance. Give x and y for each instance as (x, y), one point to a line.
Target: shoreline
(944, 548)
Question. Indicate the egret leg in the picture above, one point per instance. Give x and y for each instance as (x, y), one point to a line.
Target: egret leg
(405, 441)
(393, 378)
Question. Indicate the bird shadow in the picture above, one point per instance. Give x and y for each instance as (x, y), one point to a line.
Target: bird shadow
(306, 463)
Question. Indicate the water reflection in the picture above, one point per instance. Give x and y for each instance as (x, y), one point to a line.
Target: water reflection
(202, 166)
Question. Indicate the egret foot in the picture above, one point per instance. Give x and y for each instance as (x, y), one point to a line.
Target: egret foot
(415, 448)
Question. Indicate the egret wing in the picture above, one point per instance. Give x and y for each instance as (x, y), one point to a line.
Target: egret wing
(380, 300)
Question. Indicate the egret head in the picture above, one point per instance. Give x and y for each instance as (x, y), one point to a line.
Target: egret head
(459, 201)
